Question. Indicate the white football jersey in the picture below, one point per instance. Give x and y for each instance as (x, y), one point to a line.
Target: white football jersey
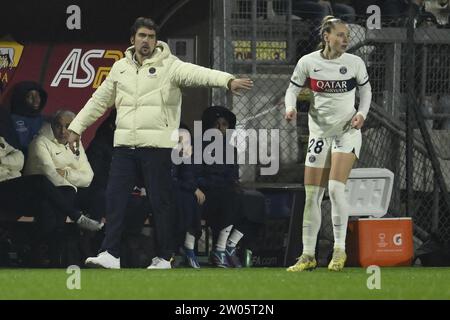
(333, 83)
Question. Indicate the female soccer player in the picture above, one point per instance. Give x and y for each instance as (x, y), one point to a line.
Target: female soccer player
(334, 137)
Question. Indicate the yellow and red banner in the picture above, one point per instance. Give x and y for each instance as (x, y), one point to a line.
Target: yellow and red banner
(69, 73)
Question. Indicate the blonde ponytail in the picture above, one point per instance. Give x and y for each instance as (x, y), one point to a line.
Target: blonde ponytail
(328, 23)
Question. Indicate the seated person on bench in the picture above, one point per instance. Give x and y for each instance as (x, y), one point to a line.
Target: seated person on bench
(189, 198)
(35, 196)
(224, 206)
(49, 155)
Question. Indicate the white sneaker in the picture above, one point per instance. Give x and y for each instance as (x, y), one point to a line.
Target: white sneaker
(103, 260)
(89, 224)
(160, 263)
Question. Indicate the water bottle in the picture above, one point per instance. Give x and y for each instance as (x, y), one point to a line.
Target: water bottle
(248, 258)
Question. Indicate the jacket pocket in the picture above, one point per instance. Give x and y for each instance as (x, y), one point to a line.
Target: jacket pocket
(171, 98)
(164, 114)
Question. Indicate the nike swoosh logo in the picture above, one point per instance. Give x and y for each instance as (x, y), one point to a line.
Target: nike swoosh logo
(122, 71)
(58, 153)
(317, 70)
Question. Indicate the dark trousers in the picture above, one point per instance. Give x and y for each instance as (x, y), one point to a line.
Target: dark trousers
(223, 207)
(92, 201)
(154, 165)
(310, 10)
(344, 12)
(244, 209)
(189, 215)
(394, 8)
(36, 196)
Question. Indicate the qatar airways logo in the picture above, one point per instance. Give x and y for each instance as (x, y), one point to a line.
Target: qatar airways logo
(332, 86)
(325, 85)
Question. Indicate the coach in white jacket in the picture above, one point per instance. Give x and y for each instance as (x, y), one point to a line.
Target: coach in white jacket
(145, 88)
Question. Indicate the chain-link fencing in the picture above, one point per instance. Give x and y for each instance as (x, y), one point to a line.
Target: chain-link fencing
(264, 40)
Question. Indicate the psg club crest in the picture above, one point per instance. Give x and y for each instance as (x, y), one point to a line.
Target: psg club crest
(312, 158)
(152, 72)
(343, 70)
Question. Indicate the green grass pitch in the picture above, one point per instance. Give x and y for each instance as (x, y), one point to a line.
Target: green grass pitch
(225, 284)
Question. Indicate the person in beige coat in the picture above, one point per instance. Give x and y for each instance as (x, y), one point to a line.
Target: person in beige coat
(145, 87)
(35, 196)
(50, 155)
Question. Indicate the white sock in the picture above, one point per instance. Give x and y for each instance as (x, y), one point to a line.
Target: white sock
(312, 217)
(234, 238)
(339, 212)
(223, 236)
(189, 241)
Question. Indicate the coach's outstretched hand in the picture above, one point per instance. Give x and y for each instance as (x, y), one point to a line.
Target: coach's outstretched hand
(74, 142)
(240, 84)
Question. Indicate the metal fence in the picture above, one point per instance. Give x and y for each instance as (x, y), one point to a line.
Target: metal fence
(264, 39)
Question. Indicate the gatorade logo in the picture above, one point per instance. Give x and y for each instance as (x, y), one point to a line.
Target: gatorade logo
(397, 239)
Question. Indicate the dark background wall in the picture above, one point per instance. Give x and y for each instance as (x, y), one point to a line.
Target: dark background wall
(105, 21)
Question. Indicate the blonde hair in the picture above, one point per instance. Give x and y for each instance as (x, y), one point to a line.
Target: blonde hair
(328, 23)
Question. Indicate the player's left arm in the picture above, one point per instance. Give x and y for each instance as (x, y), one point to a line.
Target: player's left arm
(365, 95)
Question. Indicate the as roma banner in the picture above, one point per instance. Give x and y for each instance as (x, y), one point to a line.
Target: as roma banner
(69, 73)
(10, 54)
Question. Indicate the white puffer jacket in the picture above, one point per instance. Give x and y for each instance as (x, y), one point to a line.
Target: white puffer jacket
(147, 97)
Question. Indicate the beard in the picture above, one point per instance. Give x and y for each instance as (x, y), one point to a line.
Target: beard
(145, 52)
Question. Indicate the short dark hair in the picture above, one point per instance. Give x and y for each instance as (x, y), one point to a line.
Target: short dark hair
(143, 22)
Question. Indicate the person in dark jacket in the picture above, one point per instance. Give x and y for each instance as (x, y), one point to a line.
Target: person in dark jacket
(225, 199)
(189, 198)
(27, 102)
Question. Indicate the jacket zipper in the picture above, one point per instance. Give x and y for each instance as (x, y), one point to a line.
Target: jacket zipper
(135, 105)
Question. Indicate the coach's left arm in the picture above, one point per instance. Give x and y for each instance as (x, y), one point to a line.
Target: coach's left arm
(191, 75)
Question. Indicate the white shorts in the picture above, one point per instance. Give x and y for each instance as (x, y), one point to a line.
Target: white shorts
(320, 149)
